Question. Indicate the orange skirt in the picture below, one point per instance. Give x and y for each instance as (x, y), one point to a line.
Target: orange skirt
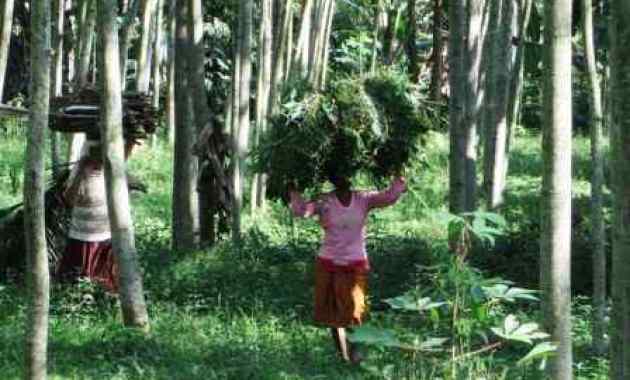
(339, 297)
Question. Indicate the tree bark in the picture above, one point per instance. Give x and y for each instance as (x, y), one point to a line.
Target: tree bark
(243, 123)
(170, 94)
(620, 144)
(87, 21)
(129, 12)
(185, 195)
(5, 41)
(202, 114)
(304, 38)
(556, 186)
(132, 300)
(34, 187)
(413, 67)
(498, 74)
(156, 61)
(57, 76)
(464, 56)
(437, 68)
(143, 74)
(597, 184)
(263, 100)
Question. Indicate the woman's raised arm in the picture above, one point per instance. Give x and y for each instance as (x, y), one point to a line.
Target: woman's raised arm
(389, 196)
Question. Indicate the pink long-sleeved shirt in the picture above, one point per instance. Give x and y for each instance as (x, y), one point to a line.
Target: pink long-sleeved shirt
(345, 227)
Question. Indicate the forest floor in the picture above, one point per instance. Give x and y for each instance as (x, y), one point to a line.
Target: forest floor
(227, 314)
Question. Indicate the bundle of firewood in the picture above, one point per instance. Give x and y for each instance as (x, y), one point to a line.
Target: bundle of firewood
(80, 112)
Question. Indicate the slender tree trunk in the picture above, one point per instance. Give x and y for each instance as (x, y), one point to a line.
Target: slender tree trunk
(322, 33)
(185, 195)
(412, 52)
(597, 185)
(304, 38)
(202, 115)
(144, 62)
(465, 46)
(264, 91)
(244, 52)
(556, 188)
(87, 23)
(437, 68)
(5, 40)
(324, 67)
(132, 300)
(156, 72)
(34, 187)
(129, 12)
(279, 47)
(57, 76)
(500, 67)
(157, 53)
(170, 94)
(518, 74)
(619, 29)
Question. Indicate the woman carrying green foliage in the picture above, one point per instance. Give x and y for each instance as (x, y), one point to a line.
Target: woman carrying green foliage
(342, 263)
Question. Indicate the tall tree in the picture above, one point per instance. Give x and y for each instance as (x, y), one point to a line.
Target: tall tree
(241, 118)
(185, 196)
(263, 99)
(34, 220)
(437, 67)
(129, 12)
(157, 52)
(464, 56)
(556, 185)
(620, 143)
(87, 22)
(499, 65)
(143, 74)
(597, 184)
(57, 73)
(5, 40)
(304, 37)
(413, 66)
(170, 73)
(202, 114)
(132, 300)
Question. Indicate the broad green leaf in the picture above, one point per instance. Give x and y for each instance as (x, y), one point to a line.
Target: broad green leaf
(540, 351)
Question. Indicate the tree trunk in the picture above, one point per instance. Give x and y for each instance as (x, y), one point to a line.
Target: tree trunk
(413, 66)
(129, 12)
(185, 195)
(170, 94)
(322, 36)
(304, 39)
(156, 72)
(264, 87)
(597, 185)
(5, 41)
(518, 74)
(157, 53)
(57, 76)
(34, 187)
(498, 74)
(620, 144)
(464, 56)
(202, 115)
(87, 21)
(437, 68)
(132, 300)
(556, 187)
(143, 74)
(242, 132)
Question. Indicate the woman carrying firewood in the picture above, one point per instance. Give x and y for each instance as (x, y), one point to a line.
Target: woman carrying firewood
(88, 249)
(342, 264)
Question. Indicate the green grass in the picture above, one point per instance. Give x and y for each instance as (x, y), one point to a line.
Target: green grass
(223, 314)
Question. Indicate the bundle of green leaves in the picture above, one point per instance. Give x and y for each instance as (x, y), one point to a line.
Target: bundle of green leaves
(360, 125)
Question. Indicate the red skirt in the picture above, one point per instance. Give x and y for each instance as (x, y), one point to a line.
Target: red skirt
(94, 260)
